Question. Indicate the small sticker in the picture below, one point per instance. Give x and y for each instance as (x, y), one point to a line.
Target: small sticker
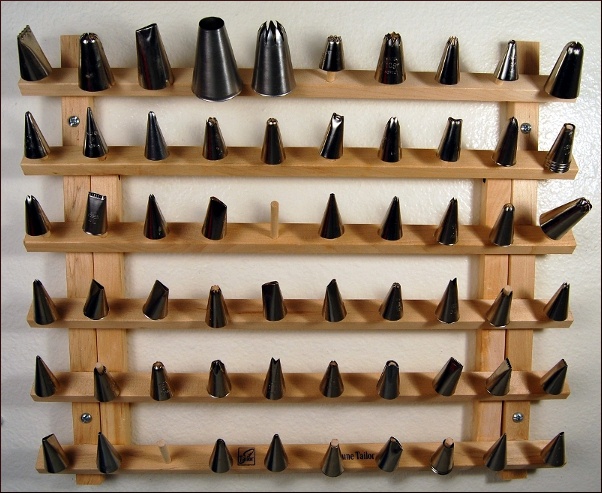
(246, 456)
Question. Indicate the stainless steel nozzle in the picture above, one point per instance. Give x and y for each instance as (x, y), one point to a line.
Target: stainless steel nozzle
(553, 381)
(332, 225)
(387, 459)
(507, 67)
(216, 220)
(55, 458)
(33, 63)
(156, 304)
(218, 384)
(274, 385)
(105, 386)
(446, 380)
(45, 383)
(333, 57)
(495, 457)
(108, 459)
(332, 146)
(502, 233)
(36, 221)
(498, 313)
(553, 454)
(214, 147)
(448, 309)
(448, 72)
(451, 142)
(221, 460)
(558, 307)
(273, 73)
(94, 143)
(390, 145)
(96, 222)
(559, 157)
(565, 79)
(155, 148)
(276, 459)
(217, 312)
(34, 145)
(155, 226)
(392, 306)
(391, 228)
(505, 152)
(391, 67)
(94, 73)
(388, 382)
(447, 232)
(154, 69)
(272, 151)
(44, 309)
(442, 461)
(96, 306)
(557, 222)
(332, 463)
(331, 384)
(160, 388)
(274, 308)
(333, 308)
(498, 383)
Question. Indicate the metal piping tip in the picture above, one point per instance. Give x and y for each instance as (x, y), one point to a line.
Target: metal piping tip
(155, 307)
(448, 309)
(387, 459)
(502, 233)
(332, 146)
(274, 308)
(36, 221)
(221, 459)
(45, 383)
(391, 68)
(565, 78)
(390, 145)
(553, 381)
(216, 220)
(332, 463)
(332, 225)
(446, 380)
(442, 461)
(55, 458)
(333, 309)
(218, 385)
(495, 457)
(557, 222)
(273, 385)
(155, 148)
(105, 386)
(507, 67)
(217, 315)
(272, 151)
(160, 389)
(273, 73)
(505, 152)
(276, 459)
(94, 143)
(448, 72)
(155, 226)
(108, 459)
(498, 383)
(44, 309)
(451, 141)
(332, 382)
(498, 313)
(392, 306)
(215, 76)
(33, 63)
(154, 69)
(558, 307)
(214, 147)
(95, 219)
(559, 157)
(447, 232)
(94, 72)
(35, 145)
(553, 454)
(388, 382)
(333, 57)
(96, 306)
(391, 228)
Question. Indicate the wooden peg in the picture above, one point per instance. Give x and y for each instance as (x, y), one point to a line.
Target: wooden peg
(330, 76)
(274, 218)
(162, 444)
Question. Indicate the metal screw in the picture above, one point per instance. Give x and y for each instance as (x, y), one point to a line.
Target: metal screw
(518, 417)
(86, 417)
(73, 121)
(525, 128)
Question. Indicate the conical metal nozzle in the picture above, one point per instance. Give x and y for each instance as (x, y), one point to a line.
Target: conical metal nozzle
(273, 385)
(332, 382)
(94, 143)
(392, 306)
(33, 63)
(333, 57)
(388, 382)
(221, 460)
(155, 226)
(214, 147)
(35, 145)
(391, 228)
(332, 463)
(565, 78)
(55, 458)
(273, 73)
(105, 386)
(108, 459)
(553, 454)
(94, 72)
(216, 220)
(155, 148)
(387, 459)
(553, 381)
(44, 309)
(155, 307)
(333, 308)
(448, 72)
(502, 233)
(446, 380)
(274, 308)
(559, 157)
(332, 225)
(448, 309)
(557, 308)
(498, 313)
(96, 222)
(332, 146)
(498, 383)
(45, 383)
(272, 151)
(96, 306)
(390, 145)
(160, 389)
(557, 222)
(36, 221)
(218, 385)
(391, 67)
(451, 142)
(217, 312)
(276, 459)
(507, 67)
(154, 69)
(447, 232)
(505, 152)
(495, 457)
(442, 461)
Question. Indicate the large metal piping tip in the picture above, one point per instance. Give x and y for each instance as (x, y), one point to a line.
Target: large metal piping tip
(94, 72)
(160, 389)
(272, 151)
(448, 309)
(333, 57)
(442, 461)
(216, 220)
(553, 454)
(332, 146)
(553, 381)
(557, 222)
(215, 76)
(96, 306)
(95, 220)
(274, 308)
(108, 459)
(35, 145)
(392, 306)
(495, 457)
(451, 141)
(448, 72)
(94, 143)
(446, 380)
(565, 78)
(391, 67)
(333, 309)
(276, 459)
(447, 232)
(221, 460)
(105, 386)
(155, 307)
(332, 463)
(507, 67)
(155, 148)
(55, 458)
(217, 312)
(387, 459)
(45, 383)
(388, 382)
(273, 73)
(36, 221)
(218, 385)
(154, 69)
(557, 308)
(331, 384)
(390, 145)
(505, 152)
(498, 383)
(273, 385)
(33, 63)
(559, 157)
(214, 147)
(155, 226)
(502, 233)
(391, 228)
(44, 309)
(498, 313)
(332, 225)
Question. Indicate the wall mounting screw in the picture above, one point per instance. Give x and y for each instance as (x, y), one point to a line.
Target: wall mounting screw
(86, 417)
(73, 121)
(525, 128)
(518, 417)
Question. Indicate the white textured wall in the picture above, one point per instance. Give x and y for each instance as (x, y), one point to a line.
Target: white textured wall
(483, 29)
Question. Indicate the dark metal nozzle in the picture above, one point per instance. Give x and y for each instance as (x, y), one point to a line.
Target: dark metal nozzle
(95, 221)
(214, 147)
(105, 386)
(448, 309)
(388, 382)
(553, 381)
(333, 57)
(273, 73)
(44, 309)
(505, 152)
(390, 145)
(498, 383)
(272, 151)
(218, 385)
(391, 67)
(446, 380)
(108, 459)
(273, 385)
(498, 313)
(507, 67)
(96, 306)
(392, 306)
(447, 232)
(154, 69)
(216, 220)
(391, 228)
(155, 307)
(276, 459)
(221, 460)
(553, 454)
(333, 308)
(35, 145)
(94, 143)
(55, 458)
(36, 221)
(33, 63)
(557, 222)
(559, 157)
(94, 72)
(45, 383)
(217, 312)
(155, 148)
(155, 226)
(502, 233)
(558, 307)
(387, 459)
(332, 225)
(442, 461)
(495, 457)
(160, 389)
(332, 146)
(448, 72)
(451, 141)
(332, 463)
(331, 384)
(565, 78)
(274, 308)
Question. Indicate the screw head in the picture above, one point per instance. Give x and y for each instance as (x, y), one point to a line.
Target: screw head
(525, 128)
(86, 418)
(73, 121)
(518, 417)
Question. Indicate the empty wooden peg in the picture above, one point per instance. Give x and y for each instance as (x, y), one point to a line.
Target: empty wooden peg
(162, 444)
(274, 210)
